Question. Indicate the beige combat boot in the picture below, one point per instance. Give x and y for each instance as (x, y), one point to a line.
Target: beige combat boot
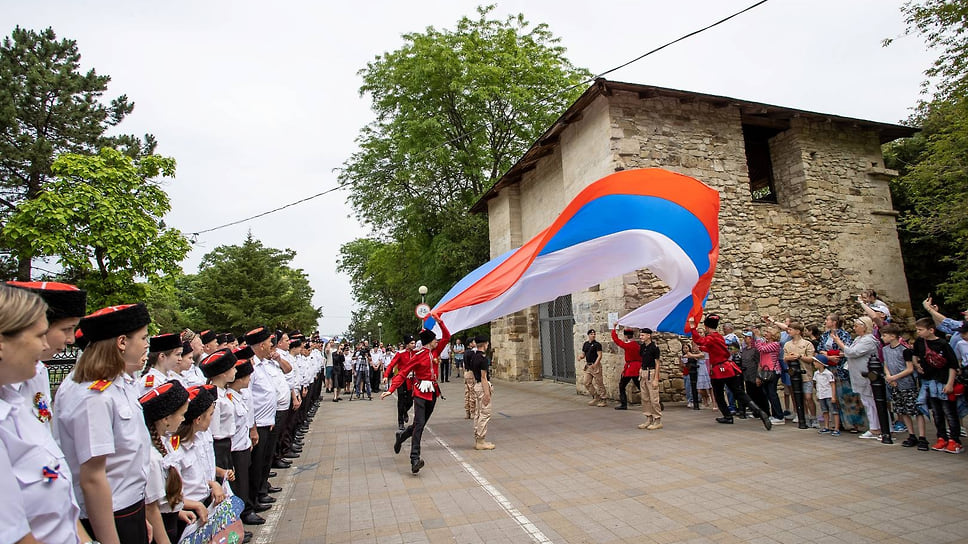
(593, 402)
(647, 424)
(656, 424)
(480, 444)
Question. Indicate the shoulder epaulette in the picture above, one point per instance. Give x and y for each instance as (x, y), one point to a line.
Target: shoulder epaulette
(229, 395)
(150, 380)
(175, 442)
(100, 385)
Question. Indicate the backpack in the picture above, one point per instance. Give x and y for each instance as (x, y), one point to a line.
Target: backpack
(935, 359)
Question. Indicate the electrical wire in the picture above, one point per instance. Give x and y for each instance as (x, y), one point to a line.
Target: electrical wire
(195, 234)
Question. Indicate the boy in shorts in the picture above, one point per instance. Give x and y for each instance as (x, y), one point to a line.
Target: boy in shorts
(899, 373)
(823, 380)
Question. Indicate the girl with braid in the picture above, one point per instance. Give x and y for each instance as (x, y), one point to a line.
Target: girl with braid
(164, 408)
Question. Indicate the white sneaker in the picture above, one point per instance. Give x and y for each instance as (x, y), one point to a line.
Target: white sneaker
(795, 420)
(870, 436)
(776, 421)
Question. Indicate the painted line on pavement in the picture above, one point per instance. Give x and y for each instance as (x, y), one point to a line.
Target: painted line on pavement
(525, 524)
(268, 529)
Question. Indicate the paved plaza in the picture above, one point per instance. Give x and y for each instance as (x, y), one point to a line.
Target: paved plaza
(564, 472)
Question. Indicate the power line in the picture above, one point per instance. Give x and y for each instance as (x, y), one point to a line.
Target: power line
(195, 235)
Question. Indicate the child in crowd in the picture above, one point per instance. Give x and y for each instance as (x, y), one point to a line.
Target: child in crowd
(219, 369)
(823, 386)
(935, 361)
(899, 373)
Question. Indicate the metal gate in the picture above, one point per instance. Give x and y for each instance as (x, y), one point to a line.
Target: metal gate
(557, 339)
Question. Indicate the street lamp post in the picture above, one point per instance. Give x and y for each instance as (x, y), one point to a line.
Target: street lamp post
(380, 325)
(423, 292)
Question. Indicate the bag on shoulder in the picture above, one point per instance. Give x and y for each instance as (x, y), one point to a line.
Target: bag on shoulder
(935, 359)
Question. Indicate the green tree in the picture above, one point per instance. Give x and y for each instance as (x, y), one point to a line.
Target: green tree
(240, 287)
(932, 190)
(101, 218)
(48, 107)
(454, 109)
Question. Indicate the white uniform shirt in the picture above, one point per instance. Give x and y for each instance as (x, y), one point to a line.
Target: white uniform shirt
(193, 376)
(292, 377)
(193, 470)
(151, 379)
(283, 390)
(91, 423)
(262, 391)
(173, 458)
(36, 395)
(155, 488)
(32, 503)
(223, 419)
(241, 440)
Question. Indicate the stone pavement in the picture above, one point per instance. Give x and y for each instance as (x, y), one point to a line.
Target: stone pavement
(564, 472)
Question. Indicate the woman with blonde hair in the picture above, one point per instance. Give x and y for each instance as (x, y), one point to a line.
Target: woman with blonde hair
(101, 427)
(39, 503)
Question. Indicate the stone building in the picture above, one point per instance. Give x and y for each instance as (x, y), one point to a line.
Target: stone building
(806, 219)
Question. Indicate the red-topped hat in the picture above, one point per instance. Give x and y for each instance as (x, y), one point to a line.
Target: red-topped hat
(257, 336)
(207, 336)
(79, 341)
(243, 368)
(217, 363)
(163, 400)
(63, 299)
(114, 321)
(201, 397)
(164, 342)
(244, 353)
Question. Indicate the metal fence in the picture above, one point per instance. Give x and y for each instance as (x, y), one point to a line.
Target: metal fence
(60, 365)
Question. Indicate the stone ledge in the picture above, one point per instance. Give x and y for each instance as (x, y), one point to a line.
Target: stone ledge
(889, 213)
(884, 173)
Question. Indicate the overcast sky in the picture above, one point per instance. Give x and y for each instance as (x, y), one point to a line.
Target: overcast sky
(259, 101)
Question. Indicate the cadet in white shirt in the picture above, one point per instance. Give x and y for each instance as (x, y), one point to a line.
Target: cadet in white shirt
(243, 437)
(164, 353)
(164, 409)
(219, 368)
(265, 401)
(37, 483)
(101, 428)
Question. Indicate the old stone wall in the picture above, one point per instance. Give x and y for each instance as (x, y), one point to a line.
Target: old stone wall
(831, 233)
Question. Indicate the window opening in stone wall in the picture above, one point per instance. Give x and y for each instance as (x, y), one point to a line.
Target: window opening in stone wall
(757, 142)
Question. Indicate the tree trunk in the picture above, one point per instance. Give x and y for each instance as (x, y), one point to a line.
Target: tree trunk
(23, 269)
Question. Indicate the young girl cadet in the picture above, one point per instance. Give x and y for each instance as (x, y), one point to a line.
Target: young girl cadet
(164, 353)
(164, 409)
(101, 429)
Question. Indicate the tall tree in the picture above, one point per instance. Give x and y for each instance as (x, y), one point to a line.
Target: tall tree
(102, 219)
(454, 109)
(932, 191)
(238, 288)
(48, 107)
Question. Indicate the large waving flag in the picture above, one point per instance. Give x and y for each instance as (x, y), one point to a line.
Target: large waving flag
(634, 219)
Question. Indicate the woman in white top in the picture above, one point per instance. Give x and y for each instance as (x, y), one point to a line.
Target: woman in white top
(101, 428)
(197, 462)
(164, 409)
(38, 503)
(859, 354)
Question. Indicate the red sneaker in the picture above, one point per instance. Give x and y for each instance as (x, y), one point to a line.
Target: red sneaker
(954, 447)
(940, 445)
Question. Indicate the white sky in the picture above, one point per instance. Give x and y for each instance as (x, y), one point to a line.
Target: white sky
(259, 102)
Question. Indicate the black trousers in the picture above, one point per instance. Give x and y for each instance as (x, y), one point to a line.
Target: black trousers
(623, 397)
(946, 418)
(375, 376)
(422, 409)
(281, 417)
(223, 453)
(445, 369)
(174, 527)
(260, 464)
(404, 402)
(130, 523)
(694, 387)
(242, 460)
(735, 384)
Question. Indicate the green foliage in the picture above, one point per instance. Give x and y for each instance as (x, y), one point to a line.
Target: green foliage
(242, 287)
(48, 108)
(101, 218)
(454, 109)
(932, 191)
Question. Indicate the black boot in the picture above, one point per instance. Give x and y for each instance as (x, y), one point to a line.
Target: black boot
(726, 420)
(622, 407)
(416, 465)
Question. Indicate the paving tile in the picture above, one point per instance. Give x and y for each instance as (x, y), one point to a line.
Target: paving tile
(582, 474)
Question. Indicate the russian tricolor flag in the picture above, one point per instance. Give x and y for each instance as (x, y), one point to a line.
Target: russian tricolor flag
(630, 220)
